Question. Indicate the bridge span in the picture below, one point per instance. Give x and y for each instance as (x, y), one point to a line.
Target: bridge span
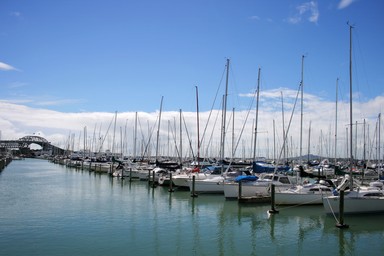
(26, 141)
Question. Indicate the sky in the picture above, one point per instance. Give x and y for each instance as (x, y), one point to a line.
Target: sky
(68, 68)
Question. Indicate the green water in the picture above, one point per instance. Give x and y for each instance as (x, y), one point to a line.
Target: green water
(49, 209)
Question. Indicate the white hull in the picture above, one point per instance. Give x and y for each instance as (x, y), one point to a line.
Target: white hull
(307, 194)
(231, 189)
(354, 205)
(211, 185)
(260, 187)
(181, 180)
(298, 199)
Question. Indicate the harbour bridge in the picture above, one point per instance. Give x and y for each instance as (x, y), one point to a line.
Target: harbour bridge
(26, 141)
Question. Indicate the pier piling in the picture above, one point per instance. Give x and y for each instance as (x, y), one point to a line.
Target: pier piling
(240, 190)
(193, 194)
(170, 183)
(273, 210)
(341, 224)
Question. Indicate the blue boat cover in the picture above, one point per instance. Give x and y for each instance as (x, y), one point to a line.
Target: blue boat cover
(246, 178)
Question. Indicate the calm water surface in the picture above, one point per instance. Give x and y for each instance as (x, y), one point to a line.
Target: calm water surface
(49, 209)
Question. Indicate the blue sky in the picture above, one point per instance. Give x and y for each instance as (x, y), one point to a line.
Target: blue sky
(69, 58)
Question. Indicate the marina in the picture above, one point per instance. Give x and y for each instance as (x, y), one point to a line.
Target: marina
(54, 209)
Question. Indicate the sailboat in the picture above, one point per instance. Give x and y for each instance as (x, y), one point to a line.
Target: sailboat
(357, 199)
(215, 183)
(257, 185)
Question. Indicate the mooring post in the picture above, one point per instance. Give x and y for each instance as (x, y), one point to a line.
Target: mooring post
(273, 210)
(122, 173)
(193, 194)
(149, 177)
(240, 190)
(130, 173)
(170, 183)
(153, 179)
(341, 224)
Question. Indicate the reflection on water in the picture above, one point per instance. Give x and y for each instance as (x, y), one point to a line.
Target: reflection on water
(54, 210)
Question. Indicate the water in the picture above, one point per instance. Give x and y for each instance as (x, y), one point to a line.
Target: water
(49, 209)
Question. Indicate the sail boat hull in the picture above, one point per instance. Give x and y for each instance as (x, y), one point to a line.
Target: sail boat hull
(211, 185)
(354, 205)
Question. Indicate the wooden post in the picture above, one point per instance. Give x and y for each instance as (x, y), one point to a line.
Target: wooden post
(153, 179)
(240, 190)
(193, 194)
(122, 173)
(273, 210)
(341, 224)
(130, 173)
(170, 183)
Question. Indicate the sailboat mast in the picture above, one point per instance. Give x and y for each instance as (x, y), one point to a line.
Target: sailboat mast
(198, 127)
(379, 160)
(233, 134)
(364, 144)
(135, 137)
(350, 106)
(114, 131)
(158, 130)
(224, 116)
(274, 141)
(282, 114)
(337, 90)
(257, 115)
(309, 140)
(181, 141)
(301, 116)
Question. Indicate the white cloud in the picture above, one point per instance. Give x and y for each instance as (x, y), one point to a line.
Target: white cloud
(57, 102)
(17, 85)
(254, 17)
(345, 3)
(307, 10)
(6, 67)
(16, 14)
(18, 120)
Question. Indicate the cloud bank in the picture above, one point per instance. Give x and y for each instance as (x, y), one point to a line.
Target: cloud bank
(67, 130)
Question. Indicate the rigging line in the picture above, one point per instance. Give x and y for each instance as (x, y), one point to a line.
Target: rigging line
(212, 131)
(330, 207)
(141, 130)
(175, 141)
(244, 124)
(289, 125)
(102, 143)
(150, 137)
(189, 138)
(213, 105)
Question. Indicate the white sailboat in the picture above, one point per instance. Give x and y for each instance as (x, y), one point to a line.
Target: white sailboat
(305, 194)
(260, 187)
(215, 184)
(359, 199)
(362, 199)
